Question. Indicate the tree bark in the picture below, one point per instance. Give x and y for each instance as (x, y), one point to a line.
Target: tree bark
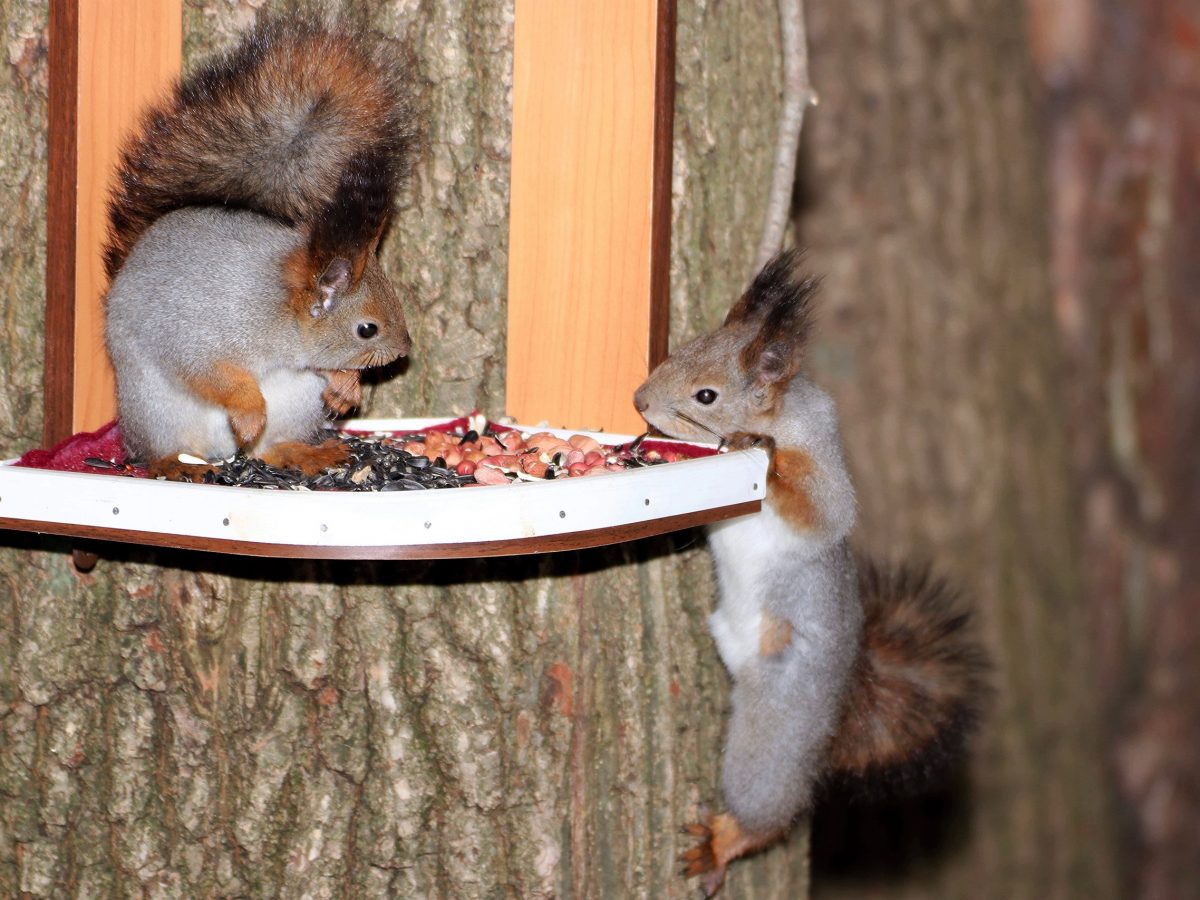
(1120, 83)
(180, 724)
(924, 199)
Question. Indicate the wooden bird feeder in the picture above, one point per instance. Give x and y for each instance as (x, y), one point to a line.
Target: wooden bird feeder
(593, 94)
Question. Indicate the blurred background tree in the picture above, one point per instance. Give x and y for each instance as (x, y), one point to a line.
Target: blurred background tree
(1005, 202)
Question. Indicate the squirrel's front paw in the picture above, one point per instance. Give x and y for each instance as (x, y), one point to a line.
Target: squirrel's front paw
(344, 391)
(744, 440)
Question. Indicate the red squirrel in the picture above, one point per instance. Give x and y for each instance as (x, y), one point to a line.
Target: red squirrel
(842, 670)
(245, 289)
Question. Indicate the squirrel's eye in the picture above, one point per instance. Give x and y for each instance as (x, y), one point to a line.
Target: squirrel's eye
(706, 396)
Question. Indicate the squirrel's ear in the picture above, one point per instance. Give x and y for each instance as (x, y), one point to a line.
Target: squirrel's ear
(773, 357)
(770, 370)
(333, 283)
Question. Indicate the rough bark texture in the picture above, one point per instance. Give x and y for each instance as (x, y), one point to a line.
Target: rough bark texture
(924, 199)
(190, 725)
(1122, 83)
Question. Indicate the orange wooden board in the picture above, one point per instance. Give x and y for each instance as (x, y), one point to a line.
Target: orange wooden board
(122, 54)
(129, 52)
(590, 207)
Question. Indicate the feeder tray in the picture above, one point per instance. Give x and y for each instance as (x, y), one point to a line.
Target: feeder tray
(582, 115)
(499, 520)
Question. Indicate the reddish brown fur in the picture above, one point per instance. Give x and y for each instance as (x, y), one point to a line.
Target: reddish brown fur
(236, 391)
(344, 391)
(309, 459)
(778, 306)
(225, 136)
(788, 479)
(170, 468)
(721, 841)
(741, 309)
(788, 488)
(300, 274)
(774, 636)
(918, 684)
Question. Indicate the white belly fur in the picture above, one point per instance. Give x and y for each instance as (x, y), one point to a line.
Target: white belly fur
(743, 549)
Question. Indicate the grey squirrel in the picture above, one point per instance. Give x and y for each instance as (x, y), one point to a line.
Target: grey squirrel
(842, 670)
(243, 227)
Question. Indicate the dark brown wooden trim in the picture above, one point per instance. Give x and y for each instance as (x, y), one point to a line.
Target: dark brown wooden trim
(58, 377)
(574, 540)
(660, 215)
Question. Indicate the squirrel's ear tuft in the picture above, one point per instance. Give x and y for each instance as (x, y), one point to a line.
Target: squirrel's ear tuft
(780, 304)
(777, 283)
(333, 282)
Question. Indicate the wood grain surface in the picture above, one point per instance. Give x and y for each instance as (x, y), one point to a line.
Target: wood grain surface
(589, 231)
(109, 59)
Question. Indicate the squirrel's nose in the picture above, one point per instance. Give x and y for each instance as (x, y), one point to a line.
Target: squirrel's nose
(640, 403)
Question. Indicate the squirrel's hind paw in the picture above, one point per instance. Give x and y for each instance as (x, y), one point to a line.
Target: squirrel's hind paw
(721, 841)
(170, 468)
(703, 858)
(308, 458)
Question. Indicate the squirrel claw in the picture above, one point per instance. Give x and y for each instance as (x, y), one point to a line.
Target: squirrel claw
(721, 841)
(701, 861)
(744, 440)
(711, 883)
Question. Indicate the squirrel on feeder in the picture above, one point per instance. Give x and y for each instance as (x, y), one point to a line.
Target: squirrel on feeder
(243, 228)
(842, 670)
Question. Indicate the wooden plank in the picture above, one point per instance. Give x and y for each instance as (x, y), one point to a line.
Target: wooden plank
(58, 378)
(589, 231)
(109, 59)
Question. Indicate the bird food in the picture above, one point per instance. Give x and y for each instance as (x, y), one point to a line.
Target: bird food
(476, 452)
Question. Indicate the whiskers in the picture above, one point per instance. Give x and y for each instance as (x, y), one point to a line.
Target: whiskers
(377, 356)
(685, 417)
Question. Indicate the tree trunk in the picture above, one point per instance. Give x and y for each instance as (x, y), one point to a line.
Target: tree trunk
(182, 724)
(1121, 83)
(924, 199)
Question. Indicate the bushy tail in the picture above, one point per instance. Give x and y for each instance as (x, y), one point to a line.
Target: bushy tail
(920, 686)
(304, 122)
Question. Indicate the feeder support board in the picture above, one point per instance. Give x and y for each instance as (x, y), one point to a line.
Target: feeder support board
(108, 60)
(589, 222)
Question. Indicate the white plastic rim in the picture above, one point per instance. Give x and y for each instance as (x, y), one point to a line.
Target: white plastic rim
(523, 511)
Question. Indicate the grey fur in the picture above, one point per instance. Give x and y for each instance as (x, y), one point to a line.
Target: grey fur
(203, 286)
(786, 707)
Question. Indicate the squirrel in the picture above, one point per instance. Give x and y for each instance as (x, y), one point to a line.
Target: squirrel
(843, 671)
(245, 291)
